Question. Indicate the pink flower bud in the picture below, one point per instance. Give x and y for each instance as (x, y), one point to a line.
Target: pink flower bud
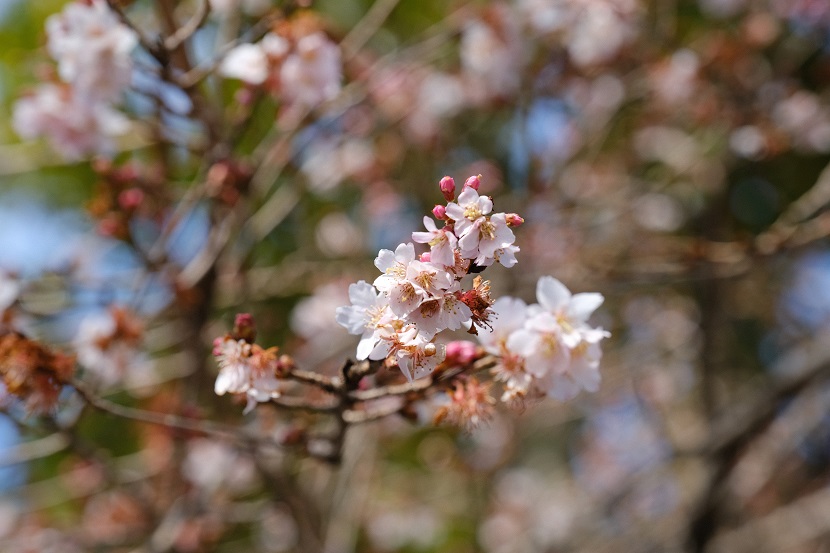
(473, 182)
(461, 352)
(217, 345)
(425, 257)
(108, 226)
(440, 212)
(244, 328)
(130, 198)
(514, 220)
(447, 186)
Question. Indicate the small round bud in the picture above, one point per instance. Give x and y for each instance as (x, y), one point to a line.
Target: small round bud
(447, 186)
(514, 220)
(473, 182)
(440, 212)
(244, 328)
(425, 257)
(130, 198)
(430, 349)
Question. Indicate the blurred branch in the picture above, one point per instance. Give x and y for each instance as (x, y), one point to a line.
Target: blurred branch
(186, 31)
(737, 428)
(35, 449)
(785, 529)
(367, 27)
(215, 430)
(154, 49)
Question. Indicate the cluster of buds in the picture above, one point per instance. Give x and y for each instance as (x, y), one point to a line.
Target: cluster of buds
(31, 372)
(247, 368)
(124, 192)
(418, 296)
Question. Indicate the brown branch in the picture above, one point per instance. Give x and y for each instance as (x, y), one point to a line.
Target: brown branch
(737, 428)
(331, 385)
(215, 430)
(153, 49)
(391, 390)
(186, 31)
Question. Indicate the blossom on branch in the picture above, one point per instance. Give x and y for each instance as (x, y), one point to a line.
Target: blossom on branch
(246, 368)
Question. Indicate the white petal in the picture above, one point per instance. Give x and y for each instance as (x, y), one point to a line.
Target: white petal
(352, 318)
(362, 294)
(582, 305)
(523, 342)
(552, 294)
(366, 345)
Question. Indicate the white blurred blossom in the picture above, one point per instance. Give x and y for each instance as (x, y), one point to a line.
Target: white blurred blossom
(92, 48)
(74, 127)
(311, 73)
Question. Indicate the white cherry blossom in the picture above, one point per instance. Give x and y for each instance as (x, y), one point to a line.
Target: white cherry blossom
(485, 237)
(571, 310)
(92, 48)
(471, 208)
(74, 127)
(367, 314)
(393, 265)
(246, 62)
(440, 313)
(442, 243)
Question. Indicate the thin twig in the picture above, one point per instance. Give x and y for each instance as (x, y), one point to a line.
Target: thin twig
(331, 385)
(366, 27)
(392, 390)
(186, 31)
(152, 48)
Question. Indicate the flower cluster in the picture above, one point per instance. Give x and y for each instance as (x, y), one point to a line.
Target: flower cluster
(108, 346)
(546, 348)
(302, 69)
(92, 49)
(416, 297)
(245, 367)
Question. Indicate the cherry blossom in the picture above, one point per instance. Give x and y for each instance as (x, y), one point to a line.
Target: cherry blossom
(74, 127)
(246, 62)
(92, 49)
(311, 74)
(367, 314)
(442, 242)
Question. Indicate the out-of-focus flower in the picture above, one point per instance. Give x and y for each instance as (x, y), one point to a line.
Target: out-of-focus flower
(246, 62)
(470, 404)
(74, 127)
(31, 372)
(314, 316)
(491, 53)
(9, 291)
(113, 517)
(211, 465)
(92, 48)
(593, 31)
(805, 119)
(107, 345)
(311, 74)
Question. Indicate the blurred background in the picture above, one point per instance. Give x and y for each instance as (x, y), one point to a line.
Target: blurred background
(670, 154)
